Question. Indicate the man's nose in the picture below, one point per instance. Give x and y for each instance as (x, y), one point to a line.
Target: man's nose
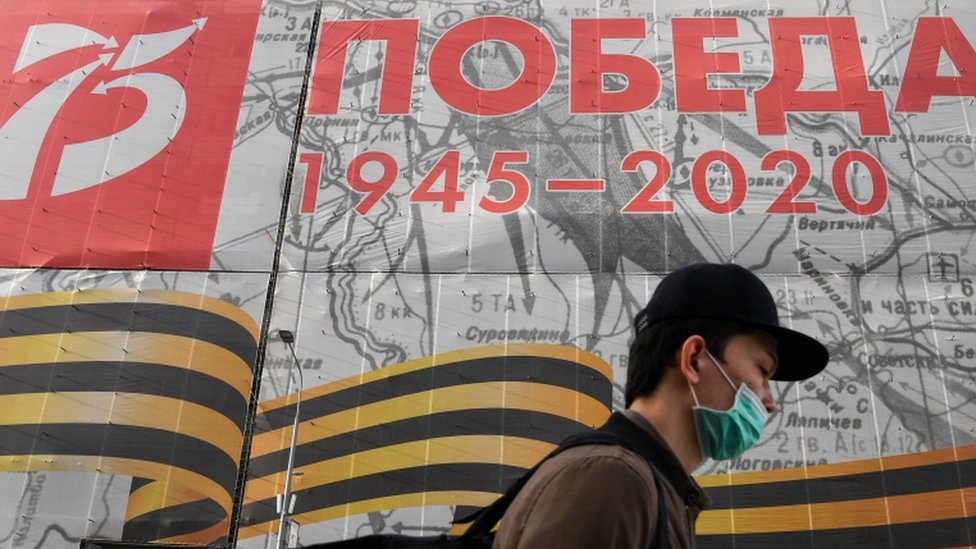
(768, 401)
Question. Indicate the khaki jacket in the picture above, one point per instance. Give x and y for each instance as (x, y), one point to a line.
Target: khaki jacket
(603, 497)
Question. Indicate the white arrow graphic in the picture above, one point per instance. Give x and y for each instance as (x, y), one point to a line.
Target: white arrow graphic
(93, 162)
(49, 39)
(21, 137)
(146, 48)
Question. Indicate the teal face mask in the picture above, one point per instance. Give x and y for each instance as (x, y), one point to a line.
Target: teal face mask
(725, 434)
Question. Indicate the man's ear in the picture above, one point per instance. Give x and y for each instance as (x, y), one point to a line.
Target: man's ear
(689, 357)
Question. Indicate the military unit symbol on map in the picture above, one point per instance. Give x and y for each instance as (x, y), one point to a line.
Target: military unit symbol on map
(943, 267)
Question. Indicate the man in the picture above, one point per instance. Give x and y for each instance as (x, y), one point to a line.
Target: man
(706, 347)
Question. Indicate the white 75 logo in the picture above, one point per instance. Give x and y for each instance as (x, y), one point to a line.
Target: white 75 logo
(90, 163)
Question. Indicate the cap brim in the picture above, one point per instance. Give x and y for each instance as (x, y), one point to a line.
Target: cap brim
(800, 356)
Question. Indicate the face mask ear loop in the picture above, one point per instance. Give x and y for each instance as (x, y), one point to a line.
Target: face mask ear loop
(720, 369)
(693, 395)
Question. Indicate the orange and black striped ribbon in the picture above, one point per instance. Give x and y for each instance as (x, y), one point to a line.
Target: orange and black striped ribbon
(917, 501)
(452, 429)
(150, 384)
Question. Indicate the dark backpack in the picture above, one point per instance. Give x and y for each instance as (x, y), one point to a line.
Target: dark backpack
(480, 536)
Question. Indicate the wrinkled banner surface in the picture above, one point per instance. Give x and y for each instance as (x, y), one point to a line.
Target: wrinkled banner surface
(458, 208)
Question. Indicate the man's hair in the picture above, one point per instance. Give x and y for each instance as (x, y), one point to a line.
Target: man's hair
(653, 350)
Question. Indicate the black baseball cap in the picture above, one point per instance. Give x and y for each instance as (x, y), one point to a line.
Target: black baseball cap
(731, 292)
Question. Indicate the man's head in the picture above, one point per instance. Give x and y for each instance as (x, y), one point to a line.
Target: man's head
(656, 348)
(716, 303)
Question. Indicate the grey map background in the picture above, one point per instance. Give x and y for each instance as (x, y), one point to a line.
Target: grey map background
(894, 303)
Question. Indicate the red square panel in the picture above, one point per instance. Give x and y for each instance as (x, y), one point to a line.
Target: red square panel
(117, 121)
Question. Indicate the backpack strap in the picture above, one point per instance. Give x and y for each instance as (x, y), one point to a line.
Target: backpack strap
(618, 431)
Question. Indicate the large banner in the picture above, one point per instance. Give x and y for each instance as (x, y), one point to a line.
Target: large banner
(458, 208)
